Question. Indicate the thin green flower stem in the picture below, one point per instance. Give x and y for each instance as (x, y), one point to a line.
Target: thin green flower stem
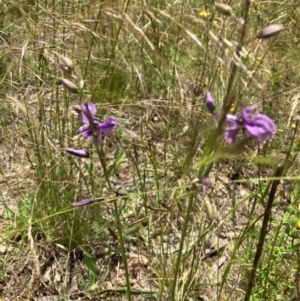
(101, 156)
(263, 232)
(92, 42)
(244, 27)
(116, 39)
(186, 168)
(182, 238)
(100, 153)
(192, 150)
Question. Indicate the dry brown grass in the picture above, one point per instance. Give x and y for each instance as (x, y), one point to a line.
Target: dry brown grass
(148, 65)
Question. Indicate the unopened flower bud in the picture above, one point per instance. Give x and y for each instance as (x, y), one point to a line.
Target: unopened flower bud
(63, 67)
(68, 85)
(270, 31)
(209, 210)
(77, 108)
(83, 202)
(81, 84)
(223, 9)
(207, 182)
(77, 152)
(67, 62)
(87, 201)
(210, 102)
(66, 65)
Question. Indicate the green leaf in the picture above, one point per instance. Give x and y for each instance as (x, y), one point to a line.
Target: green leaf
(81, 279)
(90, 263)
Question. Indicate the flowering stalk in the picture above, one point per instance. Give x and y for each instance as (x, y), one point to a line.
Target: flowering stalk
(97, 130)
(260, 128)
(279, 172)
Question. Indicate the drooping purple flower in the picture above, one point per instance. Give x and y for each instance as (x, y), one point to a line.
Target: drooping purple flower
(105, 128)
(259, 126)
(86, 113)
(77, 152)
(210, 102)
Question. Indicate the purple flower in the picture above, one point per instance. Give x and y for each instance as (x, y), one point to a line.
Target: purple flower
(77, 152)
(259, 126)
(210, 102)
(87, 114)
(102, 129)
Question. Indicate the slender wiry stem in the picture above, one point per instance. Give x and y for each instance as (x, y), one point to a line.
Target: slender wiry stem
(179, 256)
(278, 173)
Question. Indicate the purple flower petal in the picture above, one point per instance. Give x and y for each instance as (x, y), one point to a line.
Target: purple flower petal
(108, 126)
(83, 202)
(86, 130)
(231, 134)
(245, 112)
(260, 127)
(87, 109)
(77, 152)
(233, 121)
